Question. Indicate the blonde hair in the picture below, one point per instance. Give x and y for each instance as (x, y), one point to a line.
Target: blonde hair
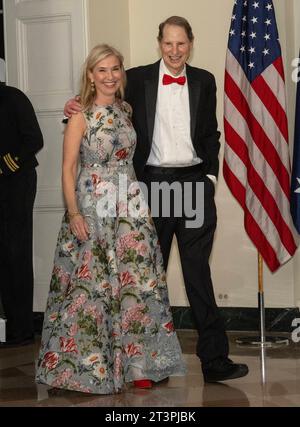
(98, 53)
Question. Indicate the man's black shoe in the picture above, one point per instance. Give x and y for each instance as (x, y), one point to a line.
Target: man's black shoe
(17, 342)
(223, 369)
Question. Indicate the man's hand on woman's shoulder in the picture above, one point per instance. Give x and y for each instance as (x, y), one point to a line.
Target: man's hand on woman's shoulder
(72, 106)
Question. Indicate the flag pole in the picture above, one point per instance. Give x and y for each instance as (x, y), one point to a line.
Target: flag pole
(261, 341)
(261, 303)
(261, 306)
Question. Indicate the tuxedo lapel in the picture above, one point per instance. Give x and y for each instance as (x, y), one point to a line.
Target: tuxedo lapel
(194, 97)
(151, 88)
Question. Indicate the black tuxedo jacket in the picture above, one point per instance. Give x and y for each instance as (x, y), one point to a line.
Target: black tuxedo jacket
(141, 94)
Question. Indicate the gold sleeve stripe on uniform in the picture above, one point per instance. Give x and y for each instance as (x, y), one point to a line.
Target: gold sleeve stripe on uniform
(12, 161)
(10, 166)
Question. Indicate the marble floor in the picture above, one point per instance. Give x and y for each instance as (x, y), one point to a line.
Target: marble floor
(273, 381)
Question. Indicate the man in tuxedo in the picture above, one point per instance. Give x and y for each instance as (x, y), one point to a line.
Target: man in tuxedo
(174, 115)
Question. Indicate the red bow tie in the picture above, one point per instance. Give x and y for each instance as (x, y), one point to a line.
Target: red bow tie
(167, 80)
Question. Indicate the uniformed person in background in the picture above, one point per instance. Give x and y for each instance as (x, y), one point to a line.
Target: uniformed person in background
(20, 140)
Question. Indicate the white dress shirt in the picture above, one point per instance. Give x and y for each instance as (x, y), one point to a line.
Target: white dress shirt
(172, 145)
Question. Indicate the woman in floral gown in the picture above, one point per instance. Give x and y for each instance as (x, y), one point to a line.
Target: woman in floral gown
(108, 319)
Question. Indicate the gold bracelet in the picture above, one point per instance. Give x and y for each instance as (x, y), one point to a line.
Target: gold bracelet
(73, 214)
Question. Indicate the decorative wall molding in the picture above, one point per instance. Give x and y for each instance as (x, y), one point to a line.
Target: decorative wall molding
(50, 113)
(48, 209)
(22, 1)
(32, 48)
(49, 198)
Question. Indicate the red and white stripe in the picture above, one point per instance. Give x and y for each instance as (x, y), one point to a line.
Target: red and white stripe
(256, 159)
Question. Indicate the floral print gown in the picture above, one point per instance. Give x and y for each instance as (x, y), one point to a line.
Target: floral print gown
(108, 319)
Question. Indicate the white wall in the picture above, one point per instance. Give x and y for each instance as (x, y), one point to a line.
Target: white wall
(234, 258)
(109, 23)
(132, 26)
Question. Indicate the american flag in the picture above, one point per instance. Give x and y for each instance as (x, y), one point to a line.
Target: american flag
(256, 158)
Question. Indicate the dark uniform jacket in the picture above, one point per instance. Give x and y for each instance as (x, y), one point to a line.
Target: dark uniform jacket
(20, 134)
(141, 94)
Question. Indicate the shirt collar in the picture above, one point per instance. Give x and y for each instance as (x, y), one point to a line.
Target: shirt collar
(164, 70)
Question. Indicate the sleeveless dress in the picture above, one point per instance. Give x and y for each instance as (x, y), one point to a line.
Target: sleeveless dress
(108, 318)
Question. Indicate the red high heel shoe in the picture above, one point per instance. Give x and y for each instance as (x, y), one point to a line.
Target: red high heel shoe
(142, 383)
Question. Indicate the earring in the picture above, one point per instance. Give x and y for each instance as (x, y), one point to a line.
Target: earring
(92, 87)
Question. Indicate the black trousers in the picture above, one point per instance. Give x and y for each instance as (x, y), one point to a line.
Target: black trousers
(195, 245)
(17, 194)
